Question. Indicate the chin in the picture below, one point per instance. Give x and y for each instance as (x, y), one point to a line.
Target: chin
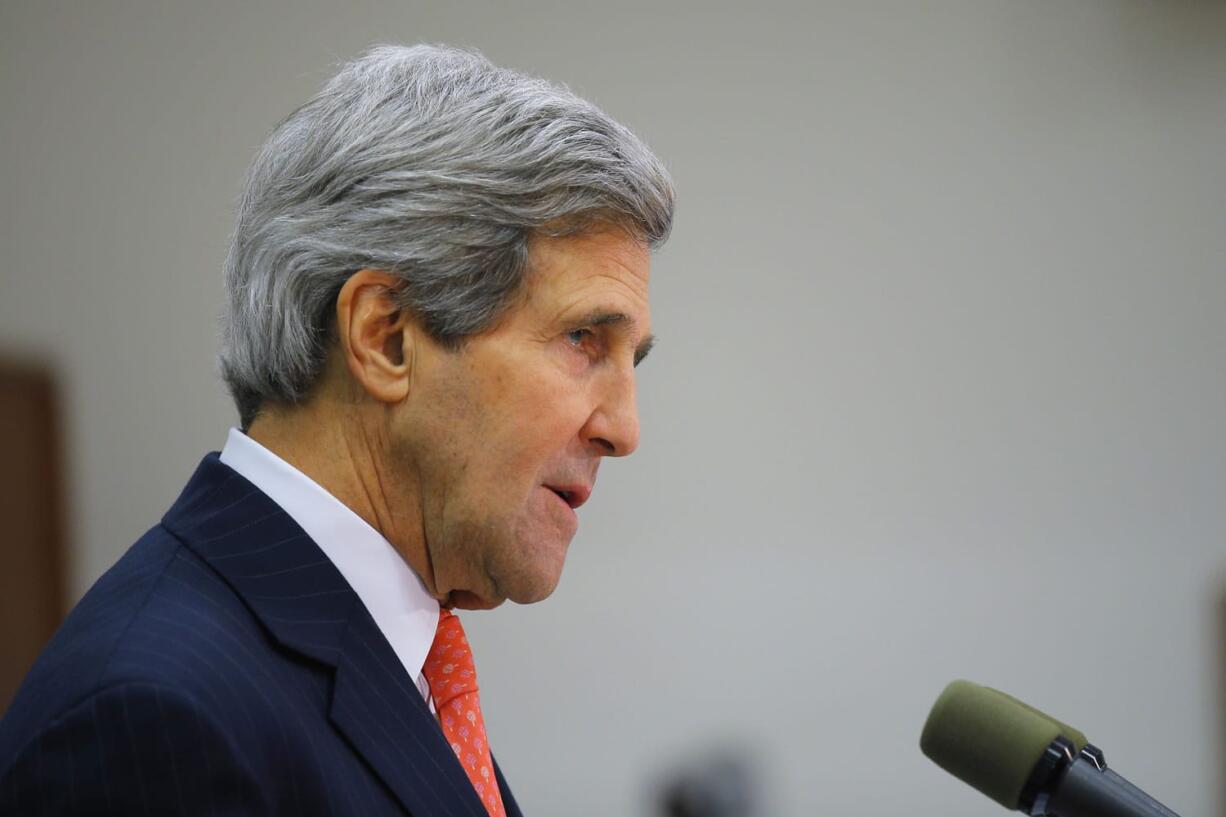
(534, 594)
(464, 600)
(530, 583)
(520, 592)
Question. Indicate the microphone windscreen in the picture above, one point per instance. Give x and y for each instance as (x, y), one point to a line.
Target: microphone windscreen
(990, 740)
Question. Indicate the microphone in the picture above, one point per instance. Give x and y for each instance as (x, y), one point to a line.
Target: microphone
(1026, 760)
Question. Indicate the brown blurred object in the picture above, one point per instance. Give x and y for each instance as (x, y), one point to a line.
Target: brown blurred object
(32, 510)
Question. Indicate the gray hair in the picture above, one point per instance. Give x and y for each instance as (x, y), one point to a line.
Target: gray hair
(435, 165)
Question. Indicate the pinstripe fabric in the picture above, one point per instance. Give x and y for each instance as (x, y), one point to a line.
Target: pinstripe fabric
(224, 667)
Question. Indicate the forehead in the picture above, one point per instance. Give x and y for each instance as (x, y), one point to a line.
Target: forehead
(606, 268)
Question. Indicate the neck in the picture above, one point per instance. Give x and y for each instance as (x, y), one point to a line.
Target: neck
(344, 453)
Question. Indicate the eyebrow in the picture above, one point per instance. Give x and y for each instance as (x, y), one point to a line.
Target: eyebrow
(601, 317)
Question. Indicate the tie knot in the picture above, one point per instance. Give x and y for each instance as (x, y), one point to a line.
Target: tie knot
(449, 667)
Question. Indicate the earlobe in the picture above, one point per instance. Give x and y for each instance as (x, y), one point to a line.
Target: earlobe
(375, 335)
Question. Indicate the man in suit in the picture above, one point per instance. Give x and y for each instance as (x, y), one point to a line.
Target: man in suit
(437, 295)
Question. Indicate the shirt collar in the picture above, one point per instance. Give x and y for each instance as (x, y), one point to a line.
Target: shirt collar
(394, 595)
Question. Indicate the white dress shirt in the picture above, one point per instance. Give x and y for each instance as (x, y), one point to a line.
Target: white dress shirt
(403, 610)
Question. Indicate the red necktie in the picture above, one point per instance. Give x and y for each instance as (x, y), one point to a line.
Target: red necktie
(452, 677)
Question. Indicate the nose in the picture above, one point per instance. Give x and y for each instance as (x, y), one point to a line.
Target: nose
(613, 428)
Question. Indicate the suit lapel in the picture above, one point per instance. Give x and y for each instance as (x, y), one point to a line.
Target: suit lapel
(508, 800)
(384, 716)
(307, 606)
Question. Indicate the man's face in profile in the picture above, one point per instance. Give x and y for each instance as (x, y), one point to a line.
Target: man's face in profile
(504, 437)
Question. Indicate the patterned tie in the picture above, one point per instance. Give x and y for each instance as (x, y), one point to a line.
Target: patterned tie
(452, 677)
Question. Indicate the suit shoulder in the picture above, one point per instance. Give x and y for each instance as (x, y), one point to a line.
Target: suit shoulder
(146, 620)
(130, 747)
(193, 632)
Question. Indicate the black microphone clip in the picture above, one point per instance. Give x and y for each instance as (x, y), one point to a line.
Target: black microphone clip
(1069, 783)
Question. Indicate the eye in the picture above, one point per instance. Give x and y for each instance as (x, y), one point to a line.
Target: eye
(585, 342)
(576, 337)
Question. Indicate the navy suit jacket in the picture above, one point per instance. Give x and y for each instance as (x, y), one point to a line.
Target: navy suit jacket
(224, 667)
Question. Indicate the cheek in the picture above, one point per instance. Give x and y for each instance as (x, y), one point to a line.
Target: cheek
(545, 447)
(516, 419)
(541, 428)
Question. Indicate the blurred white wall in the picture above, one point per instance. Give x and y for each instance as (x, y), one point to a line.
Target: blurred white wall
(940, 390)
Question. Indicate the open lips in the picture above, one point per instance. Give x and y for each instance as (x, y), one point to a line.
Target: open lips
(572, 495)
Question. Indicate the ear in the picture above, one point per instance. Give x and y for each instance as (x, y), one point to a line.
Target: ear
(375, 335)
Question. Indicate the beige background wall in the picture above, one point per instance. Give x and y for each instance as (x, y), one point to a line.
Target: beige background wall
(940, 388)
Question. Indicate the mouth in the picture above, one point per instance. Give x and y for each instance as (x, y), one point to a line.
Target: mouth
(572, 495)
